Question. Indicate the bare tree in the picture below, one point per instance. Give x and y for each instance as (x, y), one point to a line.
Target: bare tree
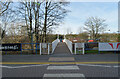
(6, 18)
(37, 17)
(83, 36)
(45, 15)
(26, 10)
(94, 26)
(4, 7)
(54, 13)
(0, 32)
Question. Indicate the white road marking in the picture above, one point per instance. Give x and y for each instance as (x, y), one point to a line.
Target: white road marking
(98, 65)
(62, 68)
(61, 59)
(64, 75)
(23, 66)
(116, 66)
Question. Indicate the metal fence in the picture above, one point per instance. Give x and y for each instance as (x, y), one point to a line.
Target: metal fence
(79, 48)
(48, 48)
(35, 49)
(45, 48)
(27, 47)
(91, 46)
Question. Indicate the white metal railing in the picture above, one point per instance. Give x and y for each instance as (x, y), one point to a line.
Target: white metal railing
(69, 44)
(79, 45)
(45, 48)
(54, 44)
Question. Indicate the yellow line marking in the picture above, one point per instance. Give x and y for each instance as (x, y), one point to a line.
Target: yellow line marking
(59, 62)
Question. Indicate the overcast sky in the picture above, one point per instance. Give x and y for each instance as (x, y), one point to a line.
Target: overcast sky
(80, 11)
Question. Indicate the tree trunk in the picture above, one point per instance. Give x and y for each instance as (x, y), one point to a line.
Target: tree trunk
(45, 22)
(31, 27)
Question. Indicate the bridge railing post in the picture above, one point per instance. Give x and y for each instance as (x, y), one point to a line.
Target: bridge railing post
(79, 48)
(21, 49)
(48, 49)
(40, 49)
(83, 48)
(36, 49)
(75, 48)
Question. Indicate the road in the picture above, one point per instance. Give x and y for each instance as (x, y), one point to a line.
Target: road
(60, 66)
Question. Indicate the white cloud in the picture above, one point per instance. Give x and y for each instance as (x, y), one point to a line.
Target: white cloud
(80, 13)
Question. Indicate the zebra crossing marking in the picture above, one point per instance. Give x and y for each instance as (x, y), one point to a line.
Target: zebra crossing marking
(61, 59)
(62, 68)
(58, 67)
(64, 75)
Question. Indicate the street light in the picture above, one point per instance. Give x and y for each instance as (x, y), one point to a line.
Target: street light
(118, 32)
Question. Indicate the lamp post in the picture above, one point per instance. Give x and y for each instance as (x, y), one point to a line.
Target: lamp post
(118, 36)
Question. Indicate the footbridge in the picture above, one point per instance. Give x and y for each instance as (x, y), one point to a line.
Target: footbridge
(62, 48)
(58, 47)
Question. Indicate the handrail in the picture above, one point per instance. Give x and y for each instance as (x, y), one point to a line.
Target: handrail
(54, 44)
(69, 44)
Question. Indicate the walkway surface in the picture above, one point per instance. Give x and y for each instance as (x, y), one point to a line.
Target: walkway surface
(62, 49)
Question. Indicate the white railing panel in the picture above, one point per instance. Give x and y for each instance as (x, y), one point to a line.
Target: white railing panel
(69, 44)
(54, 44)
(80, 45)
(44, 48)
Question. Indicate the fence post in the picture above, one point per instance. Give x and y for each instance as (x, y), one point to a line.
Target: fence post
(36, 49)
(21, 48)
(83, 48)
(98, 49)
(48, 49)
(40, 48)
(75, 48)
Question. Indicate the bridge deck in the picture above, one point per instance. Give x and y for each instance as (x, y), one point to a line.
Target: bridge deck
(62, 49)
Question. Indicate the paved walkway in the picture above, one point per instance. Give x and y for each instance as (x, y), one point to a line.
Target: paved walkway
(62, 49)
